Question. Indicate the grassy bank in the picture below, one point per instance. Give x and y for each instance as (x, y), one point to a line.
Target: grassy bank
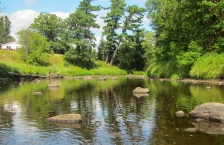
(209, 66)
(11, 62)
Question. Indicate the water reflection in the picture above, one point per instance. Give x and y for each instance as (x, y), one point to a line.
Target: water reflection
(110, 112)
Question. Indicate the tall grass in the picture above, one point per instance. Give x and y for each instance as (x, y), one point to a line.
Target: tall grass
(161, 70)
(11, 62)
(210, 66)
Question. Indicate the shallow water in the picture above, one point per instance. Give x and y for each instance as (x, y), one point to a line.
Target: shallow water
(111, 113)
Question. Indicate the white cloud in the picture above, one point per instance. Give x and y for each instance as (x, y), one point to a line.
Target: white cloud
(146, 21)
(30, 2)
(61, 14)
(22, 19)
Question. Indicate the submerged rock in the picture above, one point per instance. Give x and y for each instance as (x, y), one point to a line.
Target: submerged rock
(54, 84)
(114, 78)
(66, 118)
(180, 113)
(37, 93)
(209, 111)
(102, 79)
(191, 129)
(87, 78)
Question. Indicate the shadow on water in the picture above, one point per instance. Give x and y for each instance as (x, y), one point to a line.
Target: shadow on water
(111, 113)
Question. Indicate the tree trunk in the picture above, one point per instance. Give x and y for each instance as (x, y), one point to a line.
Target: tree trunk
(115, 52)
(108, 54)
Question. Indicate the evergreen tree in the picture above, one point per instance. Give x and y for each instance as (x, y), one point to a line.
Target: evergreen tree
(132, 22)
(113, 22)
(79, 24)
(101, 54)
(5, 26)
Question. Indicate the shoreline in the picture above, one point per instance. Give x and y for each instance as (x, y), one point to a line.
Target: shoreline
(189, 80)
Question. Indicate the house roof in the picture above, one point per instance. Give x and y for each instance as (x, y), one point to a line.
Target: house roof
(9, 43)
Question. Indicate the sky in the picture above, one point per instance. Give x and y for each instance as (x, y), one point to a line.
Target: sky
(22, 13)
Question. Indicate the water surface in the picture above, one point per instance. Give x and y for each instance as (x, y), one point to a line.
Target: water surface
(111, 113)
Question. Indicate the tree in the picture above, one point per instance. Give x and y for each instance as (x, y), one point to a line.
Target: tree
(131, 24)
(24, 36)
(148, 44)
(53, 28)
(79, 25)
(186, 28)
(5, 26)
(113, 20)
(34, 47)
(101, 54)
(131, 53)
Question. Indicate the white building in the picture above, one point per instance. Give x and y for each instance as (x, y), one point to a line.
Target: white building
(10, 46)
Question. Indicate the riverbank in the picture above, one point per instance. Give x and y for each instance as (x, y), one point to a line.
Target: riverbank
(195, 81)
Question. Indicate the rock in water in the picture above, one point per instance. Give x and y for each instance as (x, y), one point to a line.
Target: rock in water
(140, 90)
(209, 111)
(180, 113)
(37, 93)
(207, 127)
(66, 118)
(54, 84)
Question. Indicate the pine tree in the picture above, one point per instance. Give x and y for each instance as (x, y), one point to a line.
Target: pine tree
(79, 24)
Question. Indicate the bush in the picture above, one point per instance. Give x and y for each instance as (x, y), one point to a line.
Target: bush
(175, 77)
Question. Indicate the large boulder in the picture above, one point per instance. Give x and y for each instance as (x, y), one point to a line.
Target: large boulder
(209, 111)
(66, 118)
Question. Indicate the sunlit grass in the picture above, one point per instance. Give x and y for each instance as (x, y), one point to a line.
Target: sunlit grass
(11, 62)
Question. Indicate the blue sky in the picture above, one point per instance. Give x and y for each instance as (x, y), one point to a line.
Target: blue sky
(22, 12)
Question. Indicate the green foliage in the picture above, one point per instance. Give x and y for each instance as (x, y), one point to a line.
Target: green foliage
(175, 77)
(148, 44)
(161, 70)
(113, 23)
(101, 54)
(53, 28)
(209, 66)
(79, 24)
(185, 30)
(35, 47)
(132, 16)
(5, 26)
(139, 73)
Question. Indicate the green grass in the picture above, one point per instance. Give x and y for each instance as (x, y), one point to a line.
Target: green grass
(11, 62)
(210, 66)
(161, 70)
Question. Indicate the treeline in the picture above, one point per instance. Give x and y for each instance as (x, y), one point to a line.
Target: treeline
(120, 44)
(189, 38)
